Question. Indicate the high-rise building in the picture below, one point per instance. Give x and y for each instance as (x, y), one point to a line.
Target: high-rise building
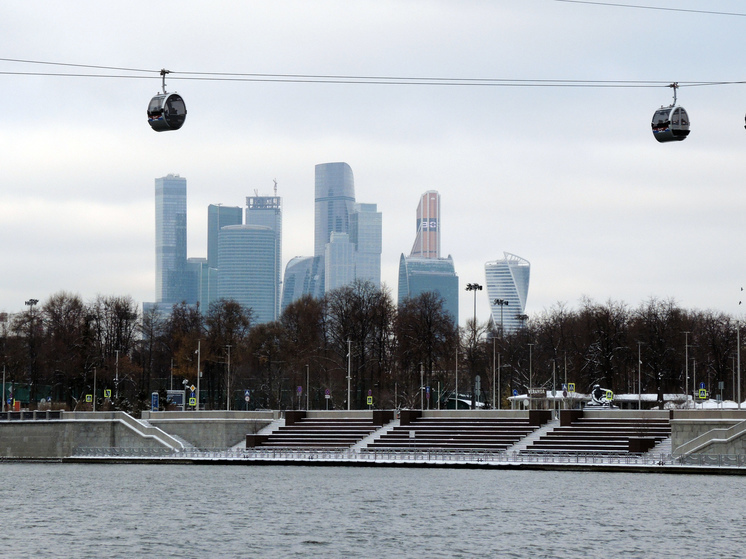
(219, 216)
(347, 239)
(419, 275)
(267, 212)
(424, 270)
(170, 240)
(339, 260)
(507, 279)
(427, 241)
(246, 269)
(302, 277)
(366, 231)
(334, 202)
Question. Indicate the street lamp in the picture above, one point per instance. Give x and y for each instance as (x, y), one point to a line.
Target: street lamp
(474, 287)
(502, 303)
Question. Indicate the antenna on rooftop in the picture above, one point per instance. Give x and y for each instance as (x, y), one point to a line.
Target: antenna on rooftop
(275, 181)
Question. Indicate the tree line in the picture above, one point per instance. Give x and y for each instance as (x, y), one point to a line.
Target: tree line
(354, 348)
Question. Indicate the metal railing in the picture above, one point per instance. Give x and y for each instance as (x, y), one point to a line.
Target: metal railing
(415, 456)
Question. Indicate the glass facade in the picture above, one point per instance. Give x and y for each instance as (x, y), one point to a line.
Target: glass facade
(339, 261)
(334, 201)
(366, 232)
(508, 279)
(219, 216)
(419, 275)
(427, 241)
(267, 212)
(246, 269)
(171, 282)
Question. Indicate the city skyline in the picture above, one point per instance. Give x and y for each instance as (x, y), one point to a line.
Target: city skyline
(600, 208)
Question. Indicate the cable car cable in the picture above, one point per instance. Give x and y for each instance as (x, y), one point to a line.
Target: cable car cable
(644, 7)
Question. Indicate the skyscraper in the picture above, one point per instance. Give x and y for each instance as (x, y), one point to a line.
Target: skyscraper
(339, 258)
(366, 231)
(334, 202)
(219, 216)
(267, 212)
(424, 270)
(247, 269)
(438, 275)
(507, 279)
(170, 240)
(427, 241)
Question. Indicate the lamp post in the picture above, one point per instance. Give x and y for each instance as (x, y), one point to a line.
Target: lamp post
(199, 354)
(530, 372)
(502, 303)
(474, 287)
(228, 380)
(30, 303)
(349, 371)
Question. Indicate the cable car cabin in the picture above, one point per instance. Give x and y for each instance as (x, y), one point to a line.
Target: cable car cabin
(670, 124)
(166, 111)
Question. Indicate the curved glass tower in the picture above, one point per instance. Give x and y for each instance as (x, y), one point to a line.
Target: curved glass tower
(335, 201)
(507, 279)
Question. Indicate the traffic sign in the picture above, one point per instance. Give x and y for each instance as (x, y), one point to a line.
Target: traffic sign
(89, 398)
(571, 387)
(193, 401)
(300, 390)
(370, 400)
(701, 385)
(327, 394)
(107, 393)
(515, 392)
(702, 394)
(192, 388)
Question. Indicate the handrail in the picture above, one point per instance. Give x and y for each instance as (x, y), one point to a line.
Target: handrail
(718, 435)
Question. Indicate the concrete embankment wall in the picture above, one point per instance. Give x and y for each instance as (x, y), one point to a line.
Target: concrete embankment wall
(709, 428)
(59, 438)
(211, 429)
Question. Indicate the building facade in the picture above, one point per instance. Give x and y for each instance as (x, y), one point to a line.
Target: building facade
(508, 280)
(424, 269)
(171, 282)
(366, 233)
(246, 269)
(438, 275)
(266, 211)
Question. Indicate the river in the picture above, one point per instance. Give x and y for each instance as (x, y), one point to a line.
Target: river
(136, 511)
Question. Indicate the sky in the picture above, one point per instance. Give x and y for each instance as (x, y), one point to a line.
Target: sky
(569, 178)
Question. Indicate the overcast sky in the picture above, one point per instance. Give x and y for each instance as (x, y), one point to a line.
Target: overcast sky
(569, 178)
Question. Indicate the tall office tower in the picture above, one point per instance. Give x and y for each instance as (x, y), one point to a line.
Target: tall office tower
(267, 212)
(339, 259)
(219, 216)
(246, 269)
(507, 279)
(302, 276)
(170, 240)
(419, 275)
(335, 198)
(366, 231)
(424, 270)
(427, 241)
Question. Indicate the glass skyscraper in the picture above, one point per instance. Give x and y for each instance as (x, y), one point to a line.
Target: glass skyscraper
(424, 270)
(507, 279)
(340, 226)
(171, 281)
(247, 269)
(427, 241)
(366, 232)
(334, 202)
(219, 216)
(419, 275)
(267, 212)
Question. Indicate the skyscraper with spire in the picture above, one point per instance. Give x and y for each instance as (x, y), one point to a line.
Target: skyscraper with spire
(424, 270)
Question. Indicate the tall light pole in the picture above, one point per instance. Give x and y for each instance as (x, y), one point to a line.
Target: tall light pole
(639, 376)
(686, 368)
(530, 372)
(349, 371)
(474, 287)
(30, 303)
(308, 386)
(228, 380)
(502, 303)
(199, 354)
